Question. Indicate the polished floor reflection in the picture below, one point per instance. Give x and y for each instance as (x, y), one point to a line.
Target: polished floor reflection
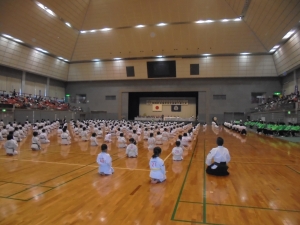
(60, 184)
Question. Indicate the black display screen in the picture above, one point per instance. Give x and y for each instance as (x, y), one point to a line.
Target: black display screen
(159, 69)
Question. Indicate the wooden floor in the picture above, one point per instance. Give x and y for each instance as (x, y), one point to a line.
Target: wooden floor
(60, 185)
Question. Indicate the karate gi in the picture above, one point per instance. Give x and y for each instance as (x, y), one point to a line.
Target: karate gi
(151, 143)
(93, 141)
(122, 142)
(65, 138)
(158, 170)
(177, 153)
(104, 161)
(35, 143)
(11, 147)
(44, 138)
(131, 150)
(221, 157)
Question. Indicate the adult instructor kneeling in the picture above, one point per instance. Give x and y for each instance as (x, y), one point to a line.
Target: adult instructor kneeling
(221, 157)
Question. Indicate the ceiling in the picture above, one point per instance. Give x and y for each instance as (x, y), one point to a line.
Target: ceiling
(262, 26)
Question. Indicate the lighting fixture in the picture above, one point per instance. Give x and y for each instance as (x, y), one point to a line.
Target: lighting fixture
(245, 53)
(117, 58)
(161, 24)
(139, 26)
(206, 54)
(83, 31)
(7, 36)
(276, 46)
(105, 29)
(225, 20)
(41, 50)
(238, 19)
(68, 24)
(159, 56)
(289, 34)
(96, 60)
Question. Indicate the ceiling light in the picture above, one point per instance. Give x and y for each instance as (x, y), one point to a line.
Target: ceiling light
(159, 56)
(273, 50)
(206, 54)
(225, 20)
(17, 40)
(41, 50)
(289, 34)
(209, 21)
(276, 46)
(238, 19)
(139, 26)
(40, 5)
(92, 31)
(60, 58)
(105, 29)
(7, 36)
(245, 53)
(83, 31)
(66, 60)
(50, 12)
(117, 58)
(96, 60)
(200, 21)
(161, 24)
(68, 24)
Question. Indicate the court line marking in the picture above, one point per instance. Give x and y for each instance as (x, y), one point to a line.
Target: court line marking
(242, 206)
(192, 222)
(292, 169)
(11, 182)
(183, 183)
(167, 157)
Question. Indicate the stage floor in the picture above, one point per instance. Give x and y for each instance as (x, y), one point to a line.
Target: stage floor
(60, 185)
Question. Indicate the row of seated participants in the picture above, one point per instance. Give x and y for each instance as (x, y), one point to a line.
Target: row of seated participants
(37, 102)
(237, 126)
(272, 128)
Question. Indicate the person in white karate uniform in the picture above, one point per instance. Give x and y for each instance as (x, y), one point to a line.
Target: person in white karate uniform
(107, 137)
(151, 142)
(185, 140)
(131, 150)
(11, 146)
(165, 135)
(104, 161)
(146, 134)
(44, 137)
(4, 132)
(221, 157)
(157, 167)
(84, 134)
(122, 143)
(65, 138)
(35, 142)
(93, 140)
(177, 152)
(158, 139)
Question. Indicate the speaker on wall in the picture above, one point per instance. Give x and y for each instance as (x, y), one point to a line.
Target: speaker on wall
(130, 71)
(194, 69)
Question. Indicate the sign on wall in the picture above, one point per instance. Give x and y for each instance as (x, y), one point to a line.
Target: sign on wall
(167, 102)
(157, 107)
(176, 108)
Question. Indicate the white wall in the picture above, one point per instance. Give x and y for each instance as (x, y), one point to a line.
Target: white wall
(186, 110)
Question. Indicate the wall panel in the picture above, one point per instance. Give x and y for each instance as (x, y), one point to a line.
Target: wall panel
(210, 67)
(20, 57)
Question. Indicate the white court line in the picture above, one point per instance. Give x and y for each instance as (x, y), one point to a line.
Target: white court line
(167, 157)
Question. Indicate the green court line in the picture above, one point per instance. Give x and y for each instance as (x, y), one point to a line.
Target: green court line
(204, 185)
(182, 186)
(60, 184)
(36, 185)
(13, 198)
(242, 206)
(10, 182)
(190, 221)
(292, 169)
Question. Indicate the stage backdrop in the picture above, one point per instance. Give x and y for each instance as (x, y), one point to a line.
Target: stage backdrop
(185, 111)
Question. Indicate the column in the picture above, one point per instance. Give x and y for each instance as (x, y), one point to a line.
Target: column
(23, 82)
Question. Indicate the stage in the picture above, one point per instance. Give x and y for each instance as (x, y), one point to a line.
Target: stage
(167, 118)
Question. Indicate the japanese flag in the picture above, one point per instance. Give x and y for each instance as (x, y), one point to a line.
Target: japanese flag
(156, 107)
